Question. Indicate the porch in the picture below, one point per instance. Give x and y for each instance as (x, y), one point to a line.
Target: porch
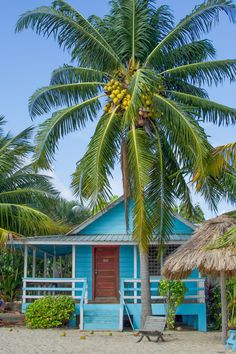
(107, 316)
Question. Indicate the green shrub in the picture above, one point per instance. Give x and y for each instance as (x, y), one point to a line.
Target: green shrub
(174, 292)
(50, 311)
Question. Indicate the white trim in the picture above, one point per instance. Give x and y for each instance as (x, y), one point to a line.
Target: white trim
(25, 272)
(135, 272)
(68, 243)
(73, 269)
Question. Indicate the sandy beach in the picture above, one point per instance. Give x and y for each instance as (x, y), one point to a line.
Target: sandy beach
(58, 341)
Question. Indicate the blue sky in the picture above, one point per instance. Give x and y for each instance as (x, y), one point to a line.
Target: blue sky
(27, 61)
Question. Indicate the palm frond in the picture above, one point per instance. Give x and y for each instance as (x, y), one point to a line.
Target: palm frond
(185, 131)
(46, 98)
(70, 74)
(199, 22)
(140, 161)
(185, 87)
(23, 219)
(193, 52)
(91, 178)
(131, 37)
(60, 124)
(228, 239)
(208, 111)
(160, 193)
(72, 31)
(211, 72)
(228, 151)
(162, 22)
(13, 151)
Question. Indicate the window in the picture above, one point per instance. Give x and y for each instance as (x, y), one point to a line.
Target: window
(155, 261)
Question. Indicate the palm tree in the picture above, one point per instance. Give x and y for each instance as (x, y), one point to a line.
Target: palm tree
(149, 74)
(23, 193)
(69, 213)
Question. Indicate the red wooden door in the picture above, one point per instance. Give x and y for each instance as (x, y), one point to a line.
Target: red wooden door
(106, 272)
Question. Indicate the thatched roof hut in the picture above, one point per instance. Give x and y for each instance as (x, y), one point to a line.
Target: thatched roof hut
(196, 252)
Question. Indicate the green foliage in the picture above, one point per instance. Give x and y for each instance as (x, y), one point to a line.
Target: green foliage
(231, 300)
(174, 292)
(49, 312)
(24, 194)
(69, 213)
(196, 216)
(213, 305)
(11, 272)
(138, 46)
(213, 302)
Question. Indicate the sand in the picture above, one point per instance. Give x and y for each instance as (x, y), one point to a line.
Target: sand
(57, 341)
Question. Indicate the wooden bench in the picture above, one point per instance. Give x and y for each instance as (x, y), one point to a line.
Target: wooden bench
(154, 327)
(231, 341)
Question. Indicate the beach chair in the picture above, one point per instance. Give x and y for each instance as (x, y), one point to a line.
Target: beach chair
(154, 327)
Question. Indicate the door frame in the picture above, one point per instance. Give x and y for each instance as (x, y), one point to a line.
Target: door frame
(117, 268)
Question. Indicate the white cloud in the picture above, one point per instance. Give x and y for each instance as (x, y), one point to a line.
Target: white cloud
(60, 186)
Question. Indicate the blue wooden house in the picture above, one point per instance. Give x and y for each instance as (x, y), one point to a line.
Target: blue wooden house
(105, 272)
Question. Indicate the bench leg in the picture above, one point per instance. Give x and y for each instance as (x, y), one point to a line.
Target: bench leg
(140, 339)
(148, 338)
(160, 336)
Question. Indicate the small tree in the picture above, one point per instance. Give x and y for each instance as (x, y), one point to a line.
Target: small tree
(174, 292)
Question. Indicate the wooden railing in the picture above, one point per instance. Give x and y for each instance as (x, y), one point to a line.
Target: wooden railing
(36, 288)
(130, 293)
(131, 290)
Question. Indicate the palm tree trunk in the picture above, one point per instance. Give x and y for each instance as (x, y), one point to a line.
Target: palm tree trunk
(125, 179)
(223, 306)
(146, 309)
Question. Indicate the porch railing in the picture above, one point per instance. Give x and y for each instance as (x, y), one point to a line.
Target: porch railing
(131, 292)
(36, 288)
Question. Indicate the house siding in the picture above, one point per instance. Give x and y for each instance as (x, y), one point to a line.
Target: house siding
(126, 262)
(84, 265)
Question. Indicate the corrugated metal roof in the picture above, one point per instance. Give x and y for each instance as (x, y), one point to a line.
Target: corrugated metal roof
(109, 238)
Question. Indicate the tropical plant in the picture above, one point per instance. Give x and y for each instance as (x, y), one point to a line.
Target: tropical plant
(197, 215)
(24, 194)
(11, 272)
(231, 300)
(49, 312)
(150, 74)
(174, 292)
(213, 305)
(69, 213)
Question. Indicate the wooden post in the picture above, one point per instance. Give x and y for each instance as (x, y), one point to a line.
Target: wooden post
(73, 269)
(25, 273)
(135, 274)
(45, 265)
(54, 266)
(34, 263)
(25, 261)
(223, 306)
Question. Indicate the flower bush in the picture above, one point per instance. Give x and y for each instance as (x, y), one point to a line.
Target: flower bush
(49, 312)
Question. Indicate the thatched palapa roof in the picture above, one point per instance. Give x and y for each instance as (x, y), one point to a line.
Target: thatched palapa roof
(195, 253)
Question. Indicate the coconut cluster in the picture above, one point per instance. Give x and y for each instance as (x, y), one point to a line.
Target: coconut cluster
(147, 111)
(118, 95)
